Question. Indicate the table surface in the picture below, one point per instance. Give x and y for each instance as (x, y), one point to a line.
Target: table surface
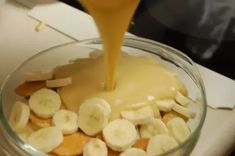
(19, 40)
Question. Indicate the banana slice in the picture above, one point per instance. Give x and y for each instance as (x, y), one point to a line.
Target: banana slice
(59, 82)
(27, 131)
(44, 103)
(66, 120)
(19, 116)
(92, 118)
(101, 102)
(46, 139)
(120, 134)
(181, 99)
(165, 105)
(38, 75)
(178, 129)
(133, 152)
(160, 144)
(156, 126)
(139, 116)
(184, 111)
(95, 147)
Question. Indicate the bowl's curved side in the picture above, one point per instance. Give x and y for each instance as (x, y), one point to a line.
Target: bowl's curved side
(167, 53)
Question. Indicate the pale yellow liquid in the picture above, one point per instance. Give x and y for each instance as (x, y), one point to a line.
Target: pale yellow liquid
(112, 18)
(138, 78)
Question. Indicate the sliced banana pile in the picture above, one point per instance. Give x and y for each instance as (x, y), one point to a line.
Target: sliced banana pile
(142, 129)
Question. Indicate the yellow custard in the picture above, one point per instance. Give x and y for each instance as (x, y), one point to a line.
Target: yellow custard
(139, 80)
(112, 18)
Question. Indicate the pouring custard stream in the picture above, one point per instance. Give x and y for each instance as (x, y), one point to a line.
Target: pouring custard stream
(112, 18)
(135, 78)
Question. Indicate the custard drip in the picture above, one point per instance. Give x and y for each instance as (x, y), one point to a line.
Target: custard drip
(112, 18)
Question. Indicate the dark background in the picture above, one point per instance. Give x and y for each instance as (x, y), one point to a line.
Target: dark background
(146, 26)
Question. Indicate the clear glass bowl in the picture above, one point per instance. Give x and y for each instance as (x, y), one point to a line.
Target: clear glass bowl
(176, 61)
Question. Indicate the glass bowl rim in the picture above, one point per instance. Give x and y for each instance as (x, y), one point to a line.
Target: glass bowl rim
(31, 150)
